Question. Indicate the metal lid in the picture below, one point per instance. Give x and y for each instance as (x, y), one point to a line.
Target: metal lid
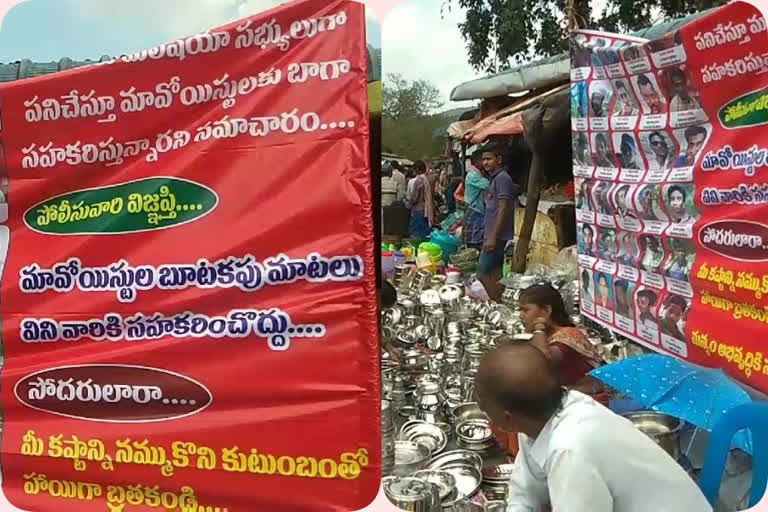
(451, 292)
(408, 489)
(429, 298)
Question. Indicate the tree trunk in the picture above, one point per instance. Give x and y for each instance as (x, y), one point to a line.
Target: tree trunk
(531, 209)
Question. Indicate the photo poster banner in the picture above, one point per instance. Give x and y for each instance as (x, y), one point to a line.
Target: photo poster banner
(189, 312)
(670, 154)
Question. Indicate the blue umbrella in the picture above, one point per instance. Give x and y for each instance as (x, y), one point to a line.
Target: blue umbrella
(692, 393)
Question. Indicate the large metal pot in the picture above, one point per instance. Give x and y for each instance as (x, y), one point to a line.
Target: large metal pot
(663, 429)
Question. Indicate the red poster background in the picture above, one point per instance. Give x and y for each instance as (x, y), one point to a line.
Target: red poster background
(724, 56)
(292, 194)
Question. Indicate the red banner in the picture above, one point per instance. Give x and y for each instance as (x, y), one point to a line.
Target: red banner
(669, 150)
(188, 299)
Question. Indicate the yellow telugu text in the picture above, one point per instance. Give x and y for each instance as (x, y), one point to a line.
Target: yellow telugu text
(738, 310)
(117, 497)
(734, 280)
(749, 363)
(347, 466)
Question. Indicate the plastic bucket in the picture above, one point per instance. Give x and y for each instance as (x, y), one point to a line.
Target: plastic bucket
(387, 264)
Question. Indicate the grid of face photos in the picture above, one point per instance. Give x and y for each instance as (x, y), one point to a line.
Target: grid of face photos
(639, 131)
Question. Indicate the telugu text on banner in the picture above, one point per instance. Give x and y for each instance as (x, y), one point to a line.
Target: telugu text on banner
(670, 148)
(188, 303)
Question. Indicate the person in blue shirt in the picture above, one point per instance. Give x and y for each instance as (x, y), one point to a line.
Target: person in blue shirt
(499, 220)
(475, 187)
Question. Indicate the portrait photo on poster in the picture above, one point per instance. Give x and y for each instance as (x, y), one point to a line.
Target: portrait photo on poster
(651, 97)
(682, 254)
(668, 49)
(585, 240)
(579, 99)
(648, 204)
(673, 316)
(691, 141)
(607, 245)
(600, 98)
(623, 293)
(604, 290)
(603, 155)
(684, 99)
(647, 300)
(622, 203)
(626, 104)
(679, 202)
(628, 249)
(608, 55)
(629, 155)
(660, 150)
(583, 187)
(581, 154)
(602, 202)
(587, 290)
(598, 44)
(635, 58)
(652, 253)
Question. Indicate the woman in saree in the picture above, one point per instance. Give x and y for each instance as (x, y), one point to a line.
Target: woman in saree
(543, 314)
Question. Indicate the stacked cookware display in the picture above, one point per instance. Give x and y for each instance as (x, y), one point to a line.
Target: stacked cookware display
(387, 439)
(440, 452)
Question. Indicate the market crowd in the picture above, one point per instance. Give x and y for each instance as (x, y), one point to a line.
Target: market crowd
(571, 452)
(419, 198)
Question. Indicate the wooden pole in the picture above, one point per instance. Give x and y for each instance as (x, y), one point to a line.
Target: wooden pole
(531, 210)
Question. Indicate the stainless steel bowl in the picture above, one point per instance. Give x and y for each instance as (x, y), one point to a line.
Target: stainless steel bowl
(468, 480)
(410, 457)
(468, 411)
(444, 481)
(428, 434)
(475, 435)
(663, 429)
(457, 458)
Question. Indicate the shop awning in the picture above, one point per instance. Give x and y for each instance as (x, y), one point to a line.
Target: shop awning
(545, 72)
(507, 121)
(456, 130)
(542, 73)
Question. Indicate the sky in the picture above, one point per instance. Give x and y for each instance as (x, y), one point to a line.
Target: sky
(420, 43)
(47, 30)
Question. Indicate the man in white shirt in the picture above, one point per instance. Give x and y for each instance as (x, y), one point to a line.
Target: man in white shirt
(575, 455)
(390, 189)
(399, 177)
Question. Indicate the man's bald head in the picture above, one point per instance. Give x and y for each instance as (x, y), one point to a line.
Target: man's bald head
(518, 381)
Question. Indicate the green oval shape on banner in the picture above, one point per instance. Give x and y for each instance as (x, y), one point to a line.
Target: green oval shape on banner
(142, 205)
(748, 110)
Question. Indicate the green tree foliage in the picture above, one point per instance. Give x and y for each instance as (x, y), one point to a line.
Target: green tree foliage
(408, 117)
(403, 99)
(503, 33)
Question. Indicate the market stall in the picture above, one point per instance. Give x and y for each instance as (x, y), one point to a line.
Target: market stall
(442, 326)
